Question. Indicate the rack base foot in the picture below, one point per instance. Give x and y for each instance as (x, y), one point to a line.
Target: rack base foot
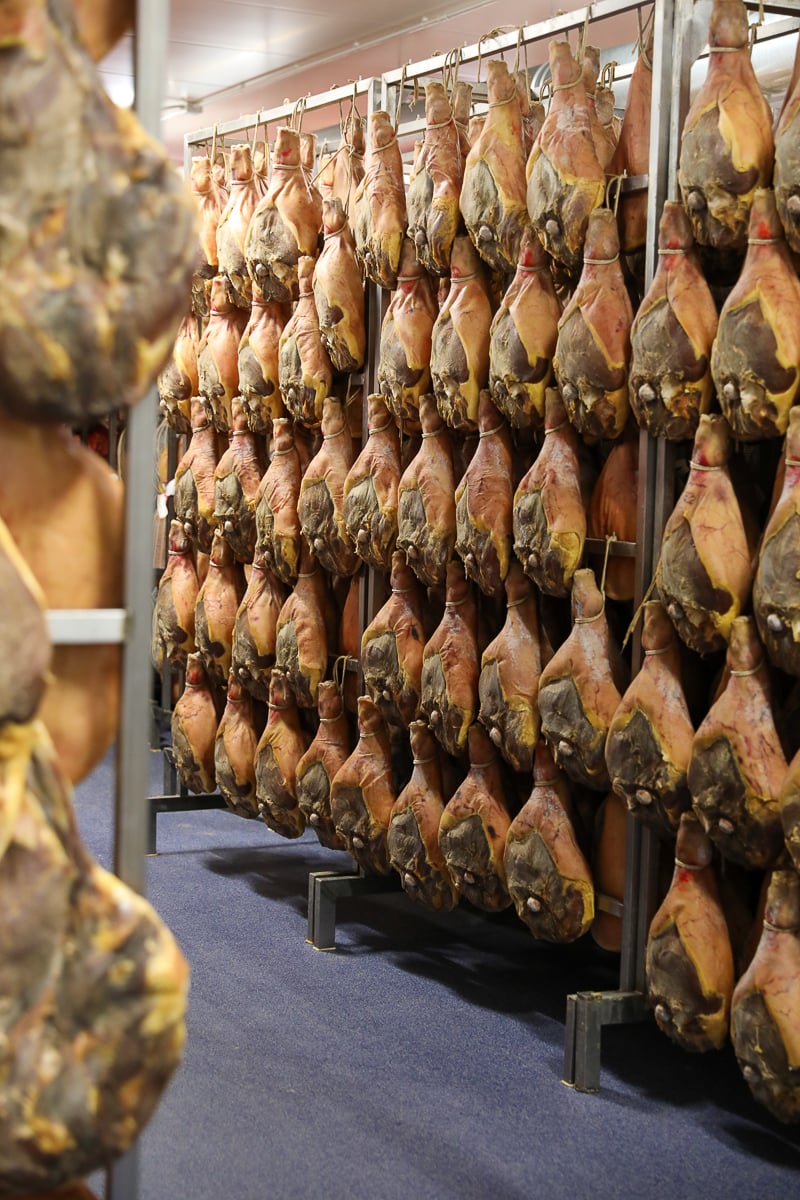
(587, 1013)
(164, 804)
(325, 888)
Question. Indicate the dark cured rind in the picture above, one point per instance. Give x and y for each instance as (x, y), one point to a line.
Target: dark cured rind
(636, 762)
(587, 370)
(409, 854)
(776, 592)
(660, 341)
(314, 801)
(552, 207)
(745, 339)
(719, 790)
(530, 870)
(478, 549)
(317, 515)
(25, 643)
(466, 847)
(362, 511)
(701, 145)
(674, 990)
(287, 659)
(433, 553)
(532, 538)
(235, 516)
(684, 578)
(251, 666)
(761, 1055)
(518, 726)
(564, 720)
(452, 730)
(355, 821)
(382, 673)
(278, 806)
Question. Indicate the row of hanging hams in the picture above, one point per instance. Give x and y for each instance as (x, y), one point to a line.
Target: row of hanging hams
(97, 261)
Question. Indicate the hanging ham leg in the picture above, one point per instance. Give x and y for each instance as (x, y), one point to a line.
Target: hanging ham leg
(523, 338)
(493, 192)
(649, 740)
(704, 570)
(451, 666)
(215, 611)
(404, 374)
(473, 829)
(173, 613)
(509, 681)
(433, 212)
(235, 751)
(280, 748)
(218, 355)
(413, 835)
(579, 688)
(339, 292)
(392, 646)
(776, 588)
(237, 478)
(426, 509)
(234, 223)
(756, 350)
(726, 146)
(483, 503)
(255, 630)
(737, 764)
(565, 180)
(318, 766)
(689, 962)
(672, 335)
(549, 880)
(320, 506)
(362, 793)
(278, 533)
(301, 644)
(460, 340)
(194, 723)
(305, 372)
(194, 479)
(380, 217)
(259, 384)
(100, 233)
(370, 489)
(766, 1001)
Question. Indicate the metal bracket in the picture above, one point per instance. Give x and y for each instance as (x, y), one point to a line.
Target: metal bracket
(587, 1013)
(325, 888)
(181, 803)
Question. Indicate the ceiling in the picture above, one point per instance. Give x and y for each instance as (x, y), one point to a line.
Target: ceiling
(228, 58)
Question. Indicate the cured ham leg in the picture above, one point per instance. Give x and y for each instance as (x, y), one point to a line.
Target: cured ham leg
(305, 372)
(776, 588)
(426, 508)
(612, 512)
(380, 219)
(565, 180)
(259, 383)
(451, 666)
(549, 880)
(548, 515)
(234, 223)
(339, 292)
(218, 355)
(433, 196)
(301, 644)
(578, 689)
(173, 613)
(523, 338)
(92, 218)
(649, 740)
(737, 764)
(278, 533)
(286, 225)
(632, 156)
(370, 489)
(473, 829)
(689, 964)
(392, 646)
(362, 793)
(460, 340)
(509, 681)
(194, 724)
(756, 350)
(194, 479)
(218, 602)
(280, 748)
(404, 373)
(255, 630)
(413, 836)
(493, 192)
(704, 572)
(764, 1009)
(593, 346)
(237, 478)
(235, 751)
(317, 768)
(178, 382)
(320, 506)
(483, 503)
(672, 335)
(727, 149)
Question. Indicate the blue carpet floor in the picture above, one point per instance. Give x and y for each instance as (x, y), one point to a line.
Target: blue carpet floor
(422, 1058)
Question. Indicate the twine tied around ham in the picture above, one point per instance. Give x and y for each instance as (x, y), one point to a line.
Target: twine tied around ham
(750, 671)
(684, 866)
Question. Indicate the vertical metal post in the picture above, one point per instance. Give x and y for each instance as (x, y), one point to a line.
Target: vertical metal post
(131, 809)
